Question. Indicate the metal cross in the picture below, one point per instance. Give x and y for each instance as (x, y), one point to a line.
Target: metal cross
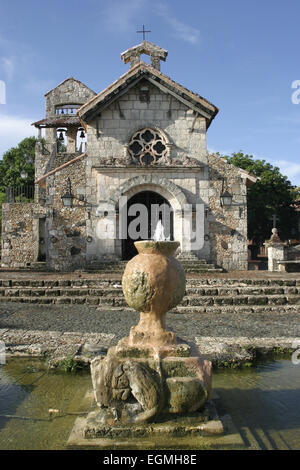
(143, 31)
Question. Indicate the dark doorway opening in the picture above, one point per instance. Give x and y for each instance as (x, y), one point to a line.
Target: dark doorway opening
(156, 205)
(42, 234)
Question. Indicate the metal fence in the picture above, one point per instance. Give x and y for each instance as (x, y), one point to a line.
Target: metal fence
(19, 193)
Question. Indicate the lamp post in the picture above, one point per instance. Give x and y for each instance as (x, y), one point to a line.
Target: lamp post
(226, 196)
(24, 174)
(67, 198)
(226, 199)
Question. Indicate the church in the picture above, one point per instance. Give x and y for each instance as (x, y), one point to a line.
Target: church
(140, 142)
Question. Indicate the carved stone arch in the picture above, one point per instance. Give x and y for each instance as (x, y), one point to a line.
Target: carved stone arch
(163, 186)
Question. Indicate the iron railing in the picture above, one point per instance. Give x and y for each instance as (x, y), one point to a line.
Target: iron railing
(19, 194)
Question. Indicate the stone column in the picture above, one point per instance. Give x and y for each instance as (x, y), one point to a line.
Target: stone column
(276, 252)
(71, 139)
(134, 59)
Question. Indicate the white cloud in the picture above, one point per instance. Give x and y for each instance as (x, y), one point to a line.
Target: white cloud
(290, 169)
(121, 16)
(38, 86)
(8, 67)
(124, 16)
(221, 151)
(12, 130)
(180, 30)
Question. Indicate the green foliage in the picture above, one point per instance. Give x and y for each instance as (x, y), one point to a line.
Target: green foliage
(233, 364)
(2, 199)
(69, 364)
(272, 195)
(14, 161)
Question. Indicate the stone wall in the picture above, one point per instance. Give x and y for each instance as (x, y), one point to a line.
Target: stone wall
(20, 234)
(66, 227)
(44, 160)
(227, 225)
(108, 134)
(70, 91)
(108, 137)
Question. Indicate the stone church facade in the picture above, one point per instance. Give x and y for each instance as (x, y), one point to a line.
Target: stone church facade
(145, 143)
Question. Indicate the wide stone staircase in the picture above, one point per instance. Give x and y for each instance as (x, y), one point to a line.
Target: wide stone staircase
(190, 266)
(203, 295)
(190, 262)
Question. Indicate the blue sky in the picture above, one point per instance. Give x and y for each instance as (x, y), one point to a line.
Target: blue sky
(242, 56)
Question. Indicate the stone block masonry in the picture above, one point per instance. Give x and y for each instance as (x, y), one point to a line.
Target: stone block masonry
(20, 229)
(227, 225)
(67, 227)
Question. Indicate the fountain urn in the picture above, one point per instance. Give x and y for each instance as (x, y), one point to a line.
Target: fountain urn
(153, 283)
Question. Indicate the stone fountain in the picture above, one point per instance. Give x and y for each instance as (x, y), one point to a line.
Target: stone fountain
(149, 385)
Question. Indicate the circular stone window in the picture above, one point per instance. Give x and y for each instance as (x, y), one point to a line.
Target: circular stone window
(147, 146)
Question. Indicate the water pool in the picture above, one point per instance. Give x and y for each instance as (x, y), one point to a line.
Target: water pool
(263, 401)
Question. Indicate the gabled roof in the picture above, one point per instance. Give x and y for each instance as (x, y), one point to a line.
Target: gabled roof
(144, 71)
(249, 177)
(66, 80)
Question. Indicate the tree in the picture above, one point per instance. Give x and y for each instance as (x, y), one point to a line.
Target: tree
(272, 195)
(14, 161)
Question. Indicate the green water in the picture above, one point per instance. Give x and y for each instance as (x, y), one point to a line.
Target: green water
(28, 389)
(264, 403)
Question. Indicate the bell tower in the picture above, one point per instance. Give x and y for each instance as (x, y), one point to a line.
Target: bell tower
(133, 55)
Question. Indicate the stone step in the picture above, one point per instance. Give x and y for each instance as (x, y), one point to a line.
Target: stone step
(192, 303)
(185, 309)
(188, 269)
(107, 290)
(200, 283)
(242, 290)
(239, 309)
(241, 300)
(183, 261)
(191, 264)
(116, 291)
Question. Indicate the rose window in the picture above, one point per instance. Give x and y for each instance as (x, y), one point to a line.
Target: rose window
(147, 146)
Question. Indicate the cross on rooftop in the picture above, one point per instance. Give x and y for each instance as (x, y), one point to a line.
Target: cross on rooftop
(274, 219)
(143, 31)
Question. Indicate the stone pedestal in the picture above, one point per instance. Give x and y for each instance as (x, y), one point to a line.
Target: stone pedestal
(276, 252)
(134, 385)
(148, 384)
(149, 400)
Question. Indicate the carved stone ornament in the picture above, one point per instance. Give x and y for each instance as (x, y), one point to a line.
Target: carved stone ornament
(183, 161)
(147, 146)
(130, 160)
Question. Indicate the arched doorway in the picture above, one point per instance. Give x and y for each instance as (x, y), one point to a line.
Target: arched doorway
(157, 207)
